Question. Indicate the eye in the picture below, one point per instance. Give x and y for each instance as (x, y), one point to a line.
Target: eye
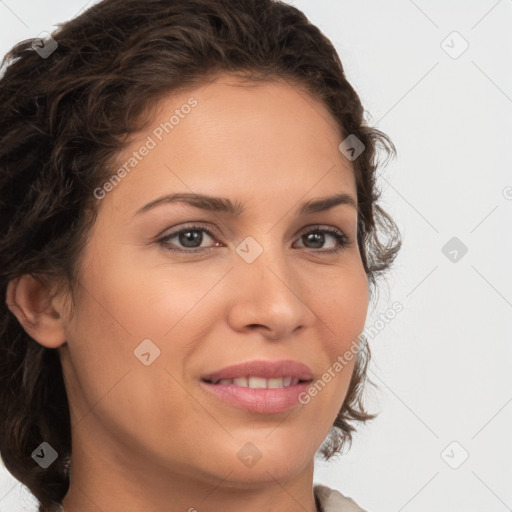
(317, 236)
(190, 238)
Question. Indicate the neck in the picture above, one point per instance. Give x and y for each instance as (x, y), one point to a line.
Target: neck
(121, 487)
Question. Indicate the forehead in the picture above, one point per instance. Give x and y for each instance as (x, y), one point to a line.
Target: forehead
(233, 137)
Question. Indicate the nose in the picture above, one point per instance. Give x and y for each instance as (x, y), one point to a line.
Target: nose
(270, 296)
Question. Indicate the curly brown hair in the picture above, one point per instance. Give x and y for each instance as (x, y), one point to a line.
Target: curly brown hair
(64, 118)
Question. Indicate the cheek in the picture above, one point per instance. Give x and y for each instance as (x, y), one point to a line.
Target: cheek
(118, 308)
(170, 300)
(342, 304)
(147, 296)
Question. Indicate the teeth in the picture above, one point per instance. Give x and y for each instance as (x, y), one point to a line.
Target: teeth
(275, 383)
(257, 382)
(260, 382)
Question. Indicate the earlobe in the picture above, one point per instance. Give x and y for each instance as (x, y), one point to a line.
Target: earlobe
(29, 299)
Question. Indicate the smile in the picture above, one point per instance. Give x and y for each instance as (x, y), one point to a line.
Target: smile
(260, 382)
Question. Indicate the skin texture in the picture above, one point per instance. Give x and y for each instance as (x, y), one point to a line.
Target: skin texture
(149, 437)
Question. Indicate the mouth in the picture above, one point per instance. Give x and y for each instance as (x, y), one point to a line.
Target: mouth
(261, 373)
(253, 382)
(259, 386)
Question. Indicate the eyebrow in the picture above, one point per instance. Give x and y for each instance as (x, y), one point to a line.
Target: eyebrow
(225, 205)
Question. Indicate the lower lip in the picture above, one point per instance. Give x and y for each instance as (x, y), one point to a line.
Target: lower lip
(262, 400)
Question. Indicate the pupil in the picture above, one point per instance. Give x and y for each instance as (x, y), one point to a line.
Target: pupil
(318, 239)
(188, 238)
(194, 238)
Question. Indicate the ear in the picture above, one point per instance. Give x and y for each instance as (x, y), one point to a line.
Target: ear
(40, 314)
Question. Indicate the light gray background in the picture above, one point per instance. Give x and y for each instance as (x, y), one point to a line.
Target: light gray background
(443, 364)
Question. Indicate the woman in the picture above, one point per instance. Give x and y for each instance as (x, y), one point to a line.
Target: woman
(189, 241)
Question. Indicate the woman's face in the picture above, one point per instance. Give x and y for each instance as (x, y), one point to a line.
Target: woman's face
(257, 284)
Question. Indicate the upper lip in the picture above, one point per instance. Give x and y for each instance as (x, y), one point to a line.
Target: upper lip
(265, 369)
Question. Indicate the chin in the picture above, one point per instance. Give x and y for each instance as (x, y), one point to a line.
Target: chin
(264, 459)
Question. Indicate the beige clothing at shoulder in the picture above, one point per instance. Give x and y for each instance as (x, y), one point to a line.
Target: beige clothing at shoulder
(331, 500)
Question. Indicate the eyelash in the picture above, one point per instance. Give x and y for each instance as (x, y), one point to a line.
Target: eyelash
(339, 236)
